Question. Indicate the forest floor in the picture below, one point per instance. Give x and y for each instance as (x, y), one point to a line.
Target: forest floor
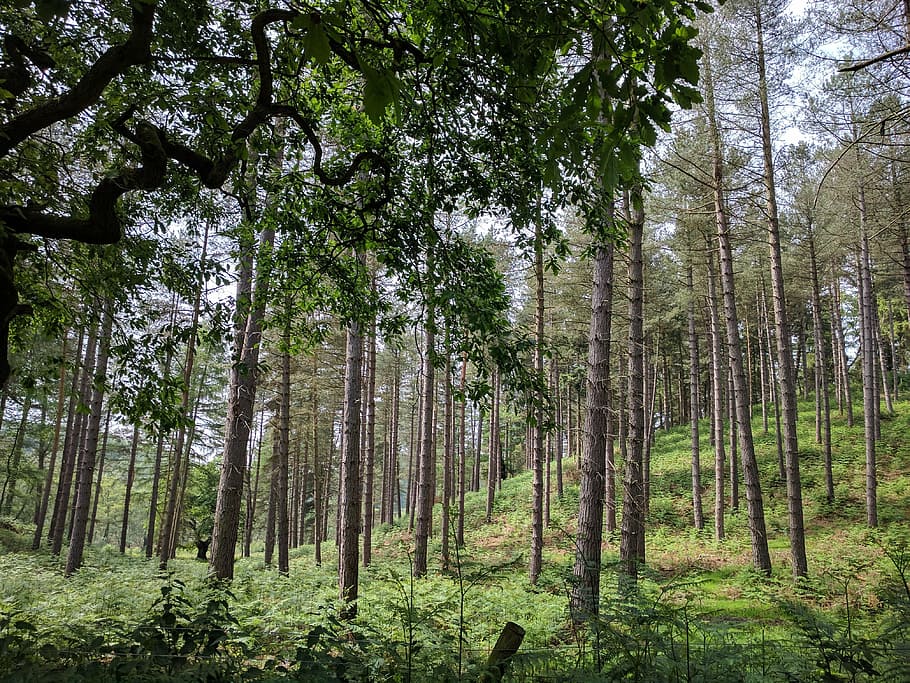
(701, 613)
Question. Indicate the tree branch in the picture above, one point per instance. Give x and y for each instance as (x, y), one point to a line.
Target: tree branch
(115, 61)
(859, 66)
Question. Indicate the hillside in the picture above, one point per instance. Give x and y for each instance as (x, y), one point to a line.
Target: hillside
(701, 614)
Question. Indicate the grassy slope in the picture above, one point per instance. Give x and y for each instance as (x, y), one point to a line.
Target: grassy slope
(713, 576)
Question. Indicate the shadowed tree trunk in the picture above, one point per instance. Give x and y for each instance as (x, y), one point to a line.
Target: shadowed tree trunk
(369, 446)
(426, 483)
(349, 483)
(55, 447)
(130, 476)
(93, 427)
(537, 447)
(632, 533)
(822, 400)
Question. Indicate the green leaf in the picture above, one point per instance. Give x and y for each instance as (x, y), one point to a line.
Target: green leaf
(316, 44)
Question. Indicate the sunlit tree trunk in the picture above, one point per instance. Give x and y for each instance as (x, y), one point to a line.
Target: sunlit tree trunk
(717, 402)
(586, 587)
(761, 558)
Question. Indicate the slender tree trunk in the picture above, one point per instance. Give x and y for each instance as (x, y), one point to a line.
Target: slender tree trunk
(821, 370)
(734, 470)
(55, 448)
(493, 460)
(318, 499)
(760, 556)
(717, 402)
(478, 449)
(97, 496)
(559, 429)
(586, 587)
(73, 439)
(462, 455)
(632, 541)
(369, 446)
(537, 452)
(168, 531)
(448, 455)
(242, 397)
(130, 477)
(694, 407)
(253, 489)
(426, 483)
(869, 379)
(781, 326)
(272, 514)
(349, 485)
(12, 462)
(838, 328)
(284, 445)
(84, 490)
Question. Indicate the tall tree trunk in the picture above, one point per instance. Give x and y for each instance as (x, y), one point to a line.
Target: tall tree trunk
(242, 397)
(837, 327)
(97, 496)
(717, 402)
(159, 445)
(586, 587)
(369, 446)
(168, 531)
(252, 488)
(93, 427)
(73, 441)
(537, 452)
(426, 483)
(318, 500)
(823, 417)
(559, 429)
(761, 558)
(632, 533)
(782, 327)
(869, 379)
(64, 480)
(284, 445)
(271, 520)
(462, 454)
(349, 483)
(127, 496)
(55, 448)
(448, 455)
(12, 462)
(493, 459)
(694, 407)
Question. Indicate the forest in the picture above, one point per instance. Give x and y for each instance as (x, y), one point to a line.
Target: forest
(460, 340)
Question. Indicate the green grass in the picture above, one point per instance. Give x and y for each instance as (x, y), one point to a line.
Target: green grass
(691, 581)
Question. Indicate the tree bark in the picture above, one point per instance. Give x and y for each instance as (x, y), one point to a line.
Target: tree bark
(823, 416)
(369, 447)
(586, 587)
(84, 490)
(537, 452)
(717, 403)
(426, 483)
(130, 477)
(761, 558)
(694, 407)
(632, 532)
(349, 483)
